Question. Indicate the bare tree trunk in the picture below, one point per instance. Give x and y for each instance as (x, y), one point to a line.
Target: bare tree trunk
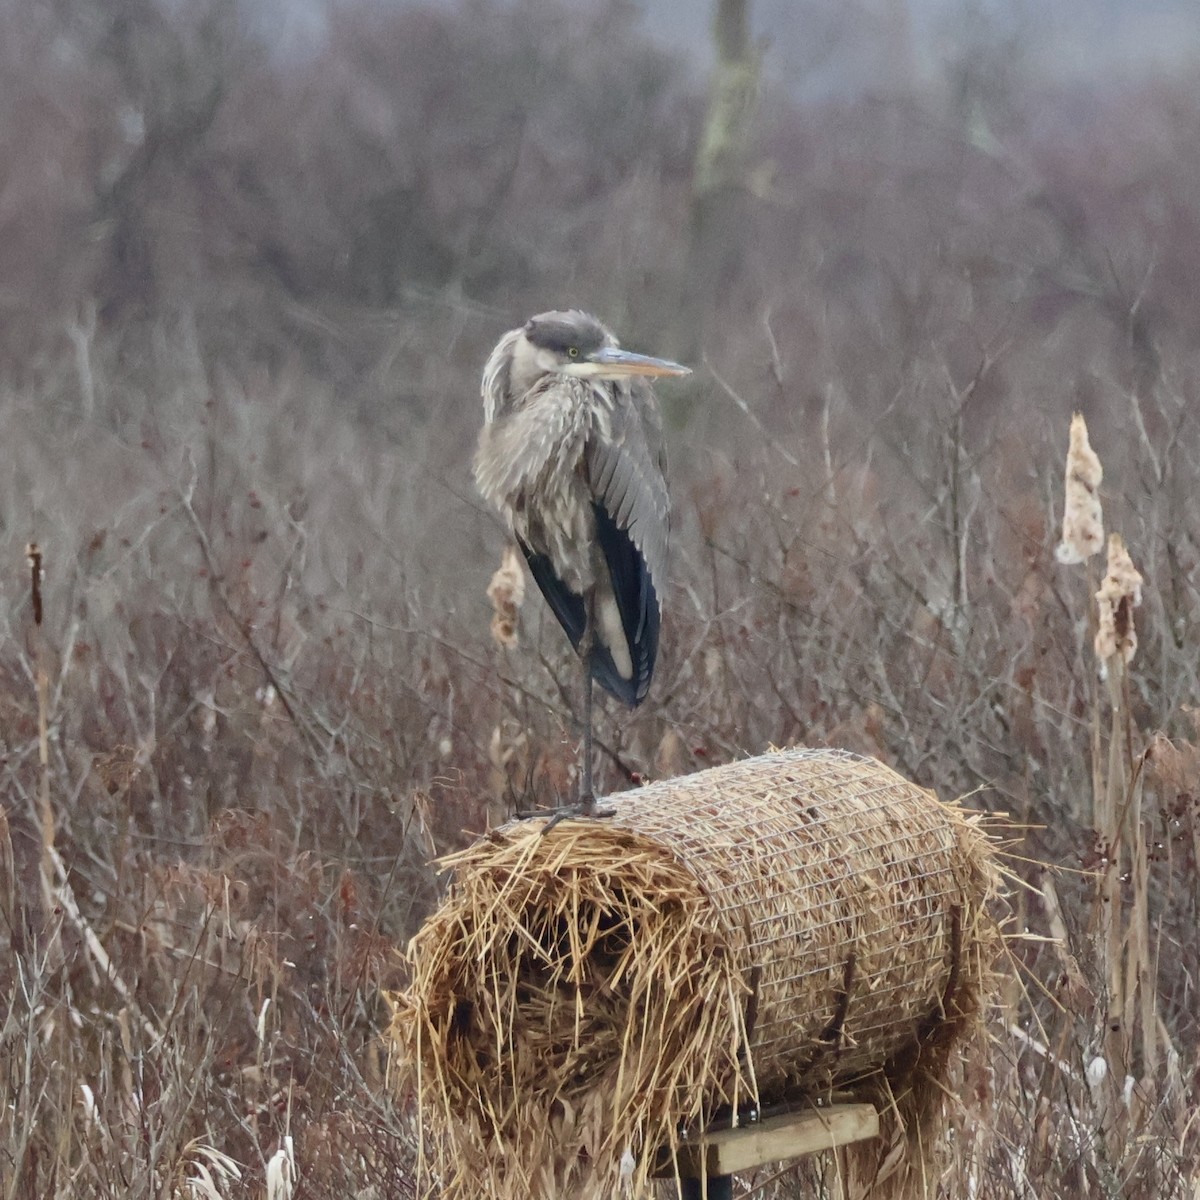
(719, 197)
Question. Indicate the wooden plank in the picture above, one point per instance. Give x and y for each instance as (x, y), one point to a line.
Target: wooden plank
(790, 1135)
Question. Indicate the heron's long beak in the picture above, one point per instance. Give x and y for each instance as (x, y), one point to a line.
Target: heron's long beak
(610, 363)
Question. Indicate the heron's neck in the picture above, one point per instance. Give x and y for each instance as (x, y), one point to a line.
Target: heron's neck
(526, 369)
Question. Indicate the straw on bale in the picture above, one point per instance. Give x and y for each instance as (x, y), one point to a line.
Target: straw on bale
(779, 927)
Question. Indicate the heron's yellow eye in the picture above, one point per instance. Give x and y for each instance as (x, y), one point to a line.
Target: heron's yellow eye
(573, 351)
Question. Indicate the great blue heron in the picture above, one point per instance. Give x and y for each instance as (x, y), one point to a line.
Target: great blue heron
(571, 454)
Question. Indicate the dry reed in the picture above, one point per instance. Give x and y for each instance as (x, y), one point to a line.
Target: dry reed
(772, 929)
(1129, 1043)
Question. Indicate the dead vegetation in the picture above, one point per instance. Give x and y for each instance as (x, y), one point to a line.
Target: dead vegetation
(793, 926)
(246, 302)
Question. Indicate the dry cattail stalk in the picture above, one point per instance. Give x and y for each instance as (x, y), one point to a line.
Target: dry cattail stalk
(37, 576)
(33, 553)
(1119, 595)
(1083, 522)
(507, 593)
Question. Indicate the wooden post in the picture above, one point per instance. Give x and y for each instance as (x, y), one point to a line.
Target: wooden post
(718, 1155)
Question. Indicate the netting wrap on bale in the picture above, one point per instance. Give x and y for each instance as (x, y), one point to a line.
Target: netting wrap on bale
(776, 928)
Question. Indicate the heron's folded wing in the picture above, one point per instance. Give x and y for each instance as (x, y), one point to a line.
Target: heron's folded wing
(625, 469)
(638, 609)
(570, 609)
(567, 606)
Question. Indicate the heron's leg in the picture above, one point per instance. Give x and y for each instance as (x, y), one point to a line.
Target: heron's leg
(587, 794)
(585, 805)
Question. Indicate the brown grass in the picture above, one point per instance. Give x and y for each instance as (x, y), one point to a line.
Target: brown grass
(246, 297)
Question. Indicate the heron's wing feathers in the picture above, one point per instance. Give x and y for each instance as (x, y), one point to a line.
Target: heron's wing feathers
(627, 473)
(625, 469)
(571, 610)
(637, 609)
(567, 606)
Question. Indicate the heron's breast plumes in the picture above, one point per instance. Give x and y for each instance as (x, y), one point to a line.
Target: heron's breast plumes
(530, 466)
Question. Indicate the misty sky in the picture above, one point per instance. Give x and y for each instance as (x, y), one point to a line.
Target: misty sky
(822, 48)
(1068, 37)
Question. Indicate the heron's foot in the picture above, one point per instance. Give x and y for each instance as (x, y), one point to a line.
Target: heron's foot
(531, 814)
(584, 810)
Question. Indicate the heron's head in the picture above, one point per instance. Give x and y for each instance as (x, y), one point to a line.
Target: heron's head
(576, 344)
(559, 345)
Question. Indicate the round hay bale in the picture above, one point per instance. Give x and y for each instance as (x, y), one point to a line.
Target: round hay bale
(775, 928)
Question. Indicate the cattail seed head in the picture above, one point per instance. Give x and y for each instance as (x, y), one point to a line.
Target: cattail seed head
(507, 593)
(1083, 522)
(1119, 595)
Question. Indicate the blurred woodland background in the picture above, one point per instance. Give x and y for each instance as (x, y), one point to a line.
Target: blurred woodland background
(247, 286)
